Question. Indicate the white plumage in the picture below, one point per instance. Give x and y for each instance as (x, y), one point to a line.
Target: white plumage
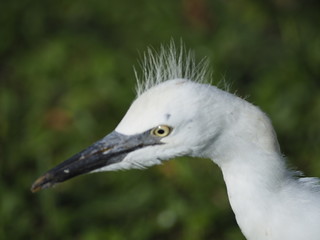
(269, 201)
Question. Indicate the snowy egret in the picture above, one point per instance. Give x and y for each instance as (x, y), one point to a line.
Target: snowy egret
(177, 114)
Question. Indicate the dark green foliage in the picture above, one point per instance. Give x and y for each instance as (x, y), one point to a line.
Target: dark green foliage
(66, 80)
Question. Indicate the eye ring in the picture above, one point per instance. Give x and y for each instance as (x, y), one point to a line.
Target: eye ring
(161, 131)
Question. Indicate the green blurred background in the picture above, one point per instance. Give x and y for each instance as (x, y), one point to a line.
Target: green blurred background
(67, 79)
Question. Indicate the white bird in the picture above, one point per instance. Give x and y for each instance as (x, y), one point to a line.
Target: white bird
(177, 114)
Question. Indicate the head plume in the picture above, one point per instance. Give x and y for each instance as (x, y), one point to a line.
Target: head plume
(169, 63)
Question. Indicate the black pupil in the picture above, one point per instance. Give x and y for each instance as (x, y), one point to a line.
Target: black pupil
(160, 131)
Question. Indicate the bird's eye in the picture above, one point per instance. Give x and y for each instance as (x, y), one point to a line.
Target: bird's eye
(161, 131)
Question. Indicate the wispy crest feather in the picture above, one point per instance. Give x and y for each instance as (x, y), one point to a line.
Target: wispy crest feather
(167, 64)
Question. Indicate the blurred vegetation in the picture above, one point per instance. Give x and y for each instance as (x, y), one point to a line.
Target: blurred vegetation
(66, 80)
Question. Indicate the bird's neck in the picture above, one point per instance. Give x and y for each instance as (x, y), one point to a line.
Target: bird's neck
(252, 188)
(253, 169)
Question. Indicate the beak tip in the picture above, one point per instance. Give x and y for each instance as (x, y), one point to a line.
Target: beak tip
(35, 189)
(41, 183)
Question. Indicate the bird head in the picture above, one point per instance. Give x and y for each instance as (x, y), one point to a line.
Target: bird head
(173, 118)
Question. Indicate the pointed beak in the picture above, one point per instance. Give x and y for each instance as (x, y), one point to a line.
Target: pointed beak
(111, 149)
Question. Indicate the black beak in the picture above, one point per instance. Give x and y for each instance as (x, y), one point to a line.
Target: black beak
(111, 149)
